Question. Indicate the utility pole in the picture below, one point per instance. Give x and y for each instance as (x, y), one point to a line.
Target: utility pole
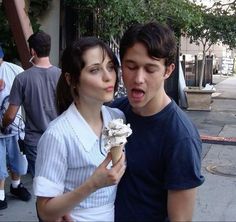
(20, 26)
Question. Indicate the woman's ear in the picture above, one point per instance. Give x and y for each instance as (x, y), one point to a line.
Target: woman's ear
(169, 70)
(68, 78)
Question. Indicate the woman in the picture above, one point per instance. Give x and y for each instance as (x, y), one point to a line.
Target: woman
(73, 171)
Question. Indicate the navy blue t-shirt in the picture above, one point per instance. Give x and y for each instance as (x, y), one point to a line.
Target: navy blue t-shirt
(163, 153)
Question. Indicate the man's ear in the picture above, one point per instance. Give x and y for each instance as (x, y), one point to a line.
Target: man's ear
(169, 70)
(32, 52)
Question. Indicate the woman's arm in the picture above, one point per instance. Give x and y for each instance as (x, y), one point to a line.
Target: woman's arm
(50, 209)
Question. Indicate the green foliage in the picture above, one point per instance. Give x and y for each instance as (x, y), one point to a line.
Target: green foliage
(178, 14)
(116, 16)
(218, 25)
(111, 17)
(6, 39)
(36, 9)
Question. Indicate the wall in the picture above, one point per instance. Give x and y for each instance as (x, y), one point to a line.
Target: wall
(193, 49)
(51, 24)
(219, 52)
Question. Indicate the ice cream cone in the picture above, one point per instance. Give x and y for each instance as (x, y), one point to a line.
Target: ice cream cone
(116, 153)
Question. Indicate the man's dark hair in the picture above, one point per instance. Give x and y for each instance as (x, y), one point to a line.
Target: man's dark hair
(41, 43)
(157, 38)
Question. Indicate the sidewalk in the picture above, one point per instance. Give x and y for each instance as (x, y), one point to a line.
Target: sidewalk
(216, 200)
(19, 210)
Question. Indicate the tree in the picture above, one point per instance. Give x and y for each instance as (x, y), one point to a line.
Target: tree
(35, 9)
(113, 16)
(6, 39)
(227, 26)
(218, 25)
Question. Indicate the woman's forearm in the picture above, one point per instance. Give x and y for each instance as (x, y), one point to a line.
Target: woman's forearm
(50, 209)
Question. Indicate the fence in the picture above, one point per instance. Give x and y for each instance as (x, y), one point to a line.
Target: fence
(192, 71)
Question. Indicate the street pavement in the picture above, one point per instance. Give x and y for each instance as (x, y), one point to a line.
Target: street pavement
(216, 198)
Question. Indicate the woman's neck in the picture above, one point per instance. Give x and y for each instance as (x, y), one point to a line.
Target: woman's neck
(92, 115)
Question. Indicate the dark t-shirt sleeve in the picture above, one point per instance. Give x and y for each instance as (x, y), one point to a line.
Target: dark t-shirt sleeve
(16, 94)
(183, 169)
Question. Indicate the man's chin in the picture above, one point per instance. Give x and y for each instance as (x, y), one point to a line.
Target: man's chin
(136, 101)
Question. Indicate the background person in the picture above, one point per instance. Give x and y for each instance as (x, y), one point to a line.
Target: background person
(164, 151)
(73, 172)
(10, 157)
(35, 89)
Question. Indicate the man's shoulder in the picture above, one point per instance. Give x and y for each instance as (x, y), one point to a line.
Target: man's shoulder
(23, 74)
(34, 69)
(56, 68)
(179, 119)
(120, 103)
(54, 72)
(11, 67)
(15, 66)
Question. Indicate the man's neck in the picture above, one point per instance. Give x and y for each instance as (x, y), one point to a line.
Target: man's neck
(42, 62)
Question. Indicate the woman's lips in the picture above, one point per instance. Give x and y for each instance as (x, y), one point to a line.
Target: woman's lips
(110, 89)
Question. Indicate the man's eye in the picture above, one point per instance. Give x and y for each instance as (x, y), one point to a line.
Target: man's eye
(150, 70)
(131, 67)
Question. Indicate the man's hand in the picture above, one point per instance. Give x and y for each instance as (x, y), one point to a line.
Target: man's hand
(9, 115)
(5, 130)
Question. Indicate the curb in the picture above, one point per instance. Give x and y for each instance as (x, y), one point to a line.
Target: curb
(223, 97)
(219, 140)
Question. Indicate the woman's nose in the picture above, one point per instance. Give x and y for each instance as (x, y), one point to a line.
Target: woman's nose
(107, 75)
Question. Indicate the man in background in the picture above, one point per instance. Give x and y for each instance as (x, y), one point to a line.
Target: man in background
(35, 90)
(10, 156)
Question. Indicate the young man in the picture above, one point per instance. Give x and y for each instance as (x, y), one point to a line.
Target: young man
(10, 156)
(35, 89)
(164, 151)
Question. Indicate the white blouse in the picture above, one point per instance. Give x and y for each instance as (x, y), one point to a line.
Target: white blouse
(67, 154)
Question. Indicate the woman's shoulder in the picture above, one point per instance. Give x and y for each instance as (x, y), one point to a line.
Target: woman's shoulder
(115, 113)
(58, 122)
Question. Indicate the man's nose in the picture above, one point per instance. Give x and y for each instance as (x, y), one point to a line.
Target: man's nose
(139, 76)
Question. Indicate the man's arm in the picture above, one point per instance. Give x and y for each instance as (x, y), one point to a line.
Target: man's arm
(181, 204)
(9, 115)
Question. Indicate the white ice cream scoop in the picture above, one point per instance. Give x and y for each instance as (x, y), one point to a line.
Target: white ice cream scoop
(115, 135)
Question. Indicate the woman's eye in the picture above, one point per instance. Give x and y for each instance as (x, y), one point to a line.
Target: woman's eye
(94, 70)
(110, 68)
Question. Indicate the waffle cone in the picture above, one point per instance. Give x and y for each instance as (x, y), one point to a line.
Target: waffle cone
(116, 153)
